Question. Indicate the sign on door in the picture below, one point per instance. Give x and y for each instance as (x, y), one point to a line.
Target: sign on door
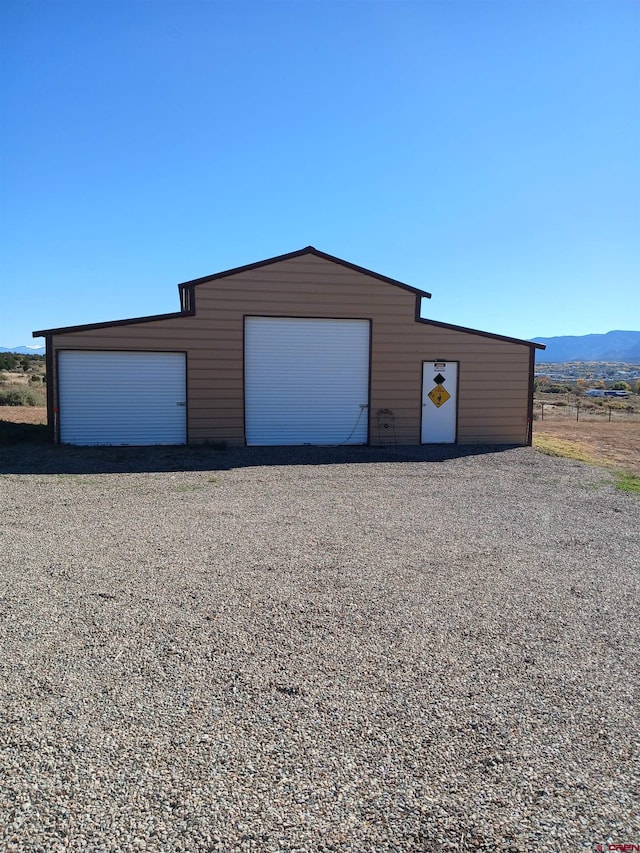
(439, 402)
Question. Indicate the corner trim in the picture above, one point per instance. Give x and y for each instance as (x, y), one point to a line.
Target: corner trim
(532, 368)
(51, 384)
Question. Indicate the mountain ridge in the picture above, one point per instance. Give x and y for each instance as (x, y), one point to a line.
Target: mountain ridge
(617, 345)
(25, 350)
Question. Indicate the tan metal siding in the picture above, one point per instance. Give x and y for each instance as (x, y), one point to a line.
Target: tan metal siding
(493, 389)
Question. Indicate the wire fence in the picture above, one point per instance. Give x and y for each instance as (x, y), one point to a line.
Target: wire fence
(579, 412)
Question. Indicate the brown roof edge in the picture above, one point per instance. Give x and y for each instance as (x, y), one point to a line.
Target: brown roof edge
(308, 250)
(532, 344)
(63, 330)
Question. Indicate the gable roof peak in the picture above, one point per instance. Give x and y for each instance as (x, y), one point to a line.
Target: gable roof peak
(308, 250)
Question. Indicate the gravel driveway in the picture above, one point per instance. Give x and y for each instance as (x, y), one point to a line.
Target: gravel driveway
(362, 650)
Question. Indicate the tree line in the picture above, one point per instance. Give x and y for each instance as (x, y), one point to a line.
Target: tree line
(16, 361)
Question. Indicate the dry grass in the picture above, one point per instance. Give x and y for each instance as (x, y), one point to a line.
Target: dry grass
(11, 378)
(616, 443)
(23, 414)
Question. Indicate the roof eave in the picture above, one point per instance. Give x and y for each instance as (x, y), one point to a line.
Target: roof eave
(87, 327)
(453, 327)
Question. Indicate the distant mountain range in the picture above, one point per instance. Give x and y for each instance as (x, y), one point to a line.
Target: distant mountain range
(34, 350)
(612, 346)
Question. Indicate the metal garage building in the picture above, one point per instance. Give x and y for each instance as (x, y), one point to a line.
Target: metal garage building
(304, 348)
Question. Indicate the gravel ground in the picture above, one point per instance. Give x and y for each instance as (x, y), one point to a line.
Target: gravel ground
(259, 651)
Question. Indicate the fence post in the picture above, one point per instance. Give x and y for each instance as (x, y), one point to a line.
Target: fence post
(542, 414)
(577, 411)
(609, 414)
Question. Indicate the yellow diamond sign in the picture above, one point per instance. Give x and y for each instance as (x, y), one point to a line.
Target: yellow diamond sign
(439, 396)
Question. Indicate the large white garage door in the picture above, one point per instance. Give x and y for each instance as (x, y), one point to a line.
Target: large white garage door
(306, 381)
(122, 397)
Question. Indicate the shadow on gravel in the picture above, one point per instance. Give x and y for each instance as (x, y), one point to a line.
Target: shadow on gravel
(37, 458)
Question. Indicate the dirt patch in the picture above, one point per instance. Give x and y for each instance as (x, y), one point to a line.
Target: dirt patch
(23, 424)
(615, 443)
(23, 414)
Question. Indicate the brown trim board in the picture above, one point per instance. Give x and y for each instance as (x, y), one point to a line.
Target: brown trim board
(56, 398)
(532, 369)
(51, 424)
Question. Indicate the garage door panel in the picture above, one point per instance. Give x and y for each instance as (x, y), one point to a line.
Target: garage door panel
(121, 398)
(306, 381)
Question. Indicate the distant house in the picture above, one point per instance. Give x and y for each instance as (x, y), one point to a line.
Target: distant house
(595, 392)
(303, 348)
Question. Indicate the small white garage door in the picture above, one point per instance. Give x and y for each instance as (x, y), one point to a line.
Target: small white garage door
(121, 398)
(306, 381)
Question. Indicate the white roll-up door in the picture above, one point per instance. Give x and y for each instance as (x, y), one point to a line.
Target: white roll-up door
(306, 381)
(122, 398)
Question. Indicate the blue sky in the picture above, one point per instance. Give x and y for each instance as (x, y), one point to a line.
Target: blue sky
(487, 152)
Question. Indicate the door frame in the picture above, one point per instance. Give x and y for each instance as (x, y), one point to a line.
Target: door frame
(422, 408)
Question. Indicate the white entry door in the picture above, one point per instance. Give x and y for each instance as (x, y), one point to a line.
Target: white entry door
(439, 402)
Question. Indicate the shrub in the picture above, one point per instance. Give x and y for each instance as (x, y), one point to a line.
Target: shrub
(9, 361)
(18, 397)
(557, 389)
